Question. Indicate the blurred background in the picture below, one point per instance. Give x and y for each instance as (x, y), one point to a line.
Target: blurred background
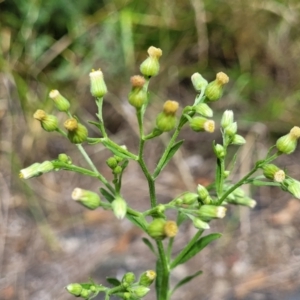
(46, 240)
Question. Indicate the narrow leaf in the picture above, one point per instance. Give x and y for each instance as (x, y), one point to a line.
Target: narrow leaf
(113, 281)
(108, 196)
(137, 222)
(149, 244)
(171, 153)
(197, 247)
(186, 280)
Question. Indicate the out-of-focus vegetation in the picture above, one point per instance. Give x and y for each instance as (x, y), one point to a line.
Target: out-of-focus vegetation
(56, 43)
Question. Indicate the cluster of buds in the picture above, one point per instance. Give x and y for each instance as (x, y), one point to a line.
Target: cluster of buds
(287, 144)
(203, 194)
(159, 229)
(113, 164)
(229, 128)
(83, 290)
(292, 186)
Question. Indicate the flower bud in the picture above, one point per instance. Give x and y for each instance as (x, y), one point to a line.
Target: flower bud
(204, 110)
(214, 89)
(45, 167)
(231, 129)
(112, 162)
(74, 289)
(139, 291)
(189, 198)
(202, 124)
(166, 120)
(119, 207)
(293, 186)
(170, 229)
(227, 118)
(117, 170)
(198, 223)
(272, 172)
(219, 151)
(87, 198)
(77, 133)
(128, 278)
(208, 212)
(48, 122)
(150, 66)
(31, 171)
(138, 94)
(156, 229)
(198, 82)
(64, 158)
(202, 192)
(245, 201)
(238, 140)
(147, 278)
(288, 143)
(61, 103)
(98, 86)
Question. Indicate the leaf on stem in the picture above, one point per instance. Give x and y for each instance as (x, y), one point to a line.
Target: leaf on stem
(196, 248)
(137, 222)
(149, 244)
(170, 154)
(108, 196)
(113, 281)
(186, 280)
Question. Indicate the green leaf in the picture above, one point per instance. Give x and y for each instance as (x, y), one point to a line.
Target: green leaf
(170, 154)
(197, 247)
(186, 280)
(108, 196)
(181, 218)
(116, 149)
(149, 244)
(113, 281)
(137, 222)
(97, 124)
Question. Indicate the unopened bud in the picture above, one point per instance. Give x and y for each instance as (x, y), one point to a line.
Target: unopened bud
(147, 278)
(138, 94)
(189, 198)
(202, 124)
(119, 207)
(227, 118)
(98, 86)
(112, 162)
(64, 158)
(150, 66)
(231, 129)
(214, 89)
(138, 291)
(238, 140)
(199, 82)
(128, 278)
(87, 198)
(77, 133)
(288, 143)
(272, 172)
(204, 110)
(219, 151)
(31, 171)
(208, 212)
(156, 229)
(61, 103)
(166, 120)
(48, 122)
(74, 289)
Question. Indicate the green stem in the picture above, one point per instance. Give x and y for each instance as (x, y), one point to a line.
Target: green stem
(186, 249)
(164, 285)
(73, 168)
